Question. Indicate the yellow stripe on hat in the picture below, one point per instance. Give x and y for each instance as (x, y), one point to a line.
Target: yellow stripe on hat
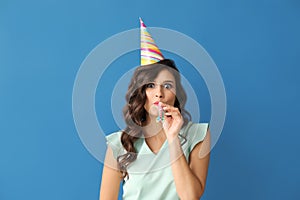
(150, 53)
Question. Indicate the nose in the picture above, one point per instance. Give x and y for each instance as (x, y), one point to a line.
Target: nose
(159, 92)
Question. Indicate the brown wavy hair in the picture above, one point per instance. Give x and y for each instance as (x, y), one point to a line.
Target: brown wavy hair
(134, 112)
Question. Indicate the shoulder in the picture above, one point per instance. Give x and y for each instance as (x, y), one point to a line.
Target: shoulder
(114, 137)
(114, 142)
(194, 133)
(192, 129)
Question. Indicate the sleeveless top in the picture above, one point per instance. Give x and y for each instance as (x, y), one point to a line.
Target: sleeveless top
(150, 175)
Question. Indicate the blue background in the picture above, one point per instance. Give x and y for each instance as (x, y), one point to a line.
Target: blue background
(255, 45)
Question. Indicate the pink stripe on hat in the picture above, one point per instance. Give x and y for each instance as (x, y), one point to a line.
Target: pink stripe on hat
(152, 54)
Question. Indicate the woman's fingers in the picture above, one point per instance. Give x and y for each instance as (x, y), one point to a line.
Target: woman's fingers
(171, 111)
(173, 120)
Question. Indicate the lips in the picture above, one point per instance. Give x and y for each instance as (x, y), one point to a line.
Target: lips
(156, 103)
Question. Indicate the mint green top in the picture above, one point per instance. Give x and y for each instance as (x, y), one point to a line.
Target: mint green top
(150, 175)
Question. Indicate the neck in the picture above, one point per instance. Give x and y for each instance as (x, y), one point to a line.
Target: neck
(154, 135)
(153, 129)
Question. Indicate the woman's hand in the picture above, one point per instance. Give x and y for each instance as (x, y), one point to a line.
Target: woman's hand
(173, 121)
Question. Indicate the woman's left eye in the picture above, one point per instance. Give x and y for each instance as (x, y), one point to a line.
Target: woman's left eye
(168, 86)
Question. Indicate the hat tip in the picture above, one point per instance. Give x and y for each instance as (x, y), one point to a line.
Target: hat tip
(150, 53)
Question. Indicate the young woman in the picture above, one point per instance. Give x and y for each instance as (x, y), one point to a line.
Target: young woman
(160, 154)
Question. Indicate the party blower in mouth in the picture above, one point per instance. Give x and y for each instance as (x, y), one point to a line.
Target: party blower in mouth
(161, 113)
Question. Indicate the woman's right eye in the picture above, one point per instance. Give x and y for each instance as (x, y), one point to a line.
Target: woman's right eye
(150, 85)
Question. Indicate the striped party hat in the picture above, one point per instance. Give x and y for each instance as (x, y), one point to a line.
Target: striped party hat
(149, 51)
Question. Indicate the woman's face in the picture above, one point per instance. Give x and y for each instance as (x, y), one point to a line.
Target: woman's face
(162, 89)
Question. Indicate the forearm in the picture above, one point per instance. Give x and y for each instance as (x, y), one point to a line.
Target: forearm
(188, 186)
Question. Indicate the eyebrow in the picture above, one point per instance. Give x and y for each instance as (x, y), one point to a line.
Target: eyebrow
(168, 81)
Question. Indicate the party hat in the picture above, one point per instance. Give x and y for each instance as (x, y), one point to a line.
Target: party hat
(149, 51)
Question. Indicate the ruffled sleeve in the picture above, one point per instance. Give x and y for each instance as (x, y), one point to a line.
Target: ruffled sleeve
(196, 133)
(114, 142)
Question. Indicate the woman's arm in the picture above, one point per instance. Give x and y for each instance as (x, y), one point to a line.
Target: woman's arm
(111, 178)
(190, 178)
